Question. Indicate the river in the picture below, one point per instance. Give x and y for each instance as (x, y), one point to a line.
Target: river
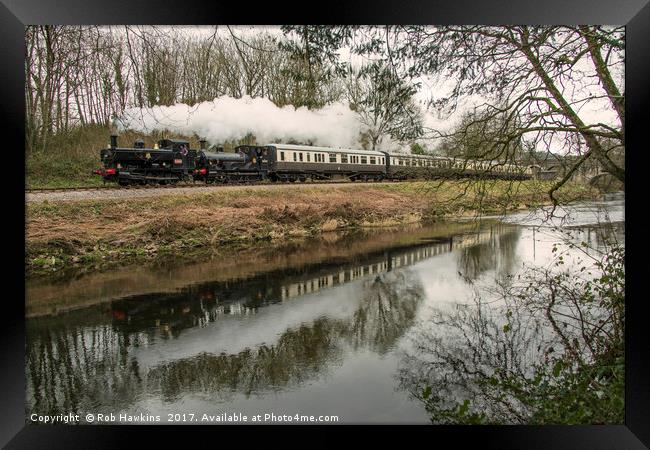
(326, 327)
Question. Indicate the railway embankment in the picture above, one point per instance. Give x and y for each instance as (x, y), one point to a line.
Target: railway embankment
(98, 233)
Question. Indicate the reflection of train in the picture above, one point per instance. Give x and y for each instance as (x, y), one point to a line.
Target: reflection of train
(199, 304)
(390, 261)
(172, 160)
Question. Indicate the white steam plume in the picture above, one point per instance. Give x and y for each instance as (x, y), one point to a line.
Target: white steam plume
(227, 118)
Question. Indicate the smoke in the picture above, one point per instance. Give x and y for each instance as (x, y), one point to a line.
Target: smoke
(226, 118)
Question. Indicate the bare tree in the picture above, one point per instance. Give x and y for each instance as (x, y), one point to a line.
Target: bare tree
(384, 104)
(543, 79)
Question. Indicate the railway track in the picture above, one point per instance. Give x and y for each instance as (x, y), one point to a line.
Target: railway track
(170, 186)
(114, 191)
(106, 188)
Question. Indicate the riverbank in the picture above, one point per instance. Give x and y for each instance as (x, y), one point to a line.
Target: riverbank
(97, 233)
(72, 291)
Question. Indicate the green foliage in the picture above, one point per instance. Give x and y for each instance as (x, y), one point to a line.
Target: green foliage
(418, 149)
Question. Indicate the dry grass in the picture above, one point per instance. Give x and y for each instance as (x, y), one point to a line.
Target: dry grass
(59, 234)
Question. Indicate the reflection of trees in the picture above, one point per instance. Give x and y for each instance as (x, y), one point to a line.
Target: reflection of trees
(551, 350)
(599, 236)
(451, 360)
(388, 308)
(499, 254)
(299, 355)
(73, 368)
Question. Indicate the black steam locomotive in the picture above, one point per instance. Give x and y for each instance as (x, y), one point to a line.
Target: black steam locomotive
(171, 161)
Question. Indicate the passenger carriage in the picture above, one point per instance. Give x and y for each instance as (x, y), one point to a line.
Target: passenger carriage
(288, 162)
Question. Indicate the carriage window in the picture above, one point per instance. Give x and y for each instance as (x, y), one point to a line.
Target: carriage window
(332, 157)
(281, 156)
(364, 160)
(300, 155)
(295, 156)
(373, 160)
(308, 156)
(344, 159)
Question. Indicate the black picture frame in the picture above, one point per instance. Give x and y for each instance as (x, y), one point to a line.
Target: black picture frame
(15, 14)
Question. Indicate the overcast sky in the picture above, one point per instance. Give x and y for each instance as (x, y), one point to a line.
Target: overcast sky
(593, 111)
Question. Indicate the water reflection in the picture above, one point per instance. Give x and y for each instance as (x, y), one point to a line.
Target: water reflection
(465, 353)
(69, 291)
(498, 252)
(457, 351)
(264, 332)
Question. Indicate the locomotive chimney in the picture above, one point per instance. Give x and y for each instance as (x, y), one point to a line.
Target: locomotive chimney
(113, 141)
(202, 142)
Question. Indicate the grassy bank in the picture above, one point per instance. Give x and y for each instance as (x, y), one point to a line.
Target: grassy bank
(97, 232)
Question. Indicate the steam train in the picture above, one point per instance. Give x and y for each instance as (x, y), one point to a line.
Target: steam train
(171, 161)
